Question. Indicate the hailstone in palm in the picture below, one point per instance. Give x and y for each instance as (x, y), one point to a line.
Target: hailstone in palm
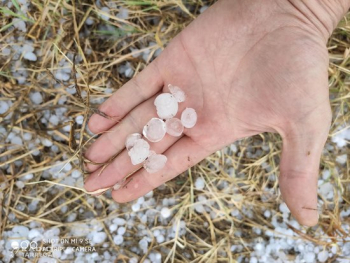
(154, 130)
(139, 152)
(178, 93)
(166, 105)
(188, 117)
(155, 162)
(174, 127)
(131, 139)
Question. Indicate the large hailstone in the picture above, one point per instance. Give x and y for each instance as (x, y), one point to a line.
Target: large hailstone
(155, 162)
(178, 93)
(174, 127)
(131, 139)
(154, 130)
(139, 152)
(166, 105)
(188, 117)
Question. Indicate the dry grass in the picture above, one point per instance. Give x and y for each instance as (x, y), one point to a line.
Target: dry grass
(149, 21)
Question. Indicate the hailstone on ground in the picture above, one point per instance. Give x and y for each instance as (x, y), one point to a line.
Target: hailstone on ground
(188, 117)
(166, 105)
(155, 162)
(131, 139)
(154, 130)
(174, 127)
(178, 93)
(139, 152)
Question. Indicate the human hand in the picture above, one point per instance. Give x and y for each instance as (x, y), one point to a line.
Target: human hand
(246, 67)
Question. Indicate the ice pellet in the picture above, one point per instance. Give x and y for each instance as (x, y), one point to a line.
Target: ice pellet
(139, 152)
(178, 93)
(154, 130)
(131, 139)
(174, 127)
(155, 162)
(166, 105)
(188, 117)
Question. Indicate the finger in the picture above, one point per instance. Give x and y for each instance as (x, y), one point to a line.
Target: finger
(140, 88)
(113, 141)
(121, 166)
(182, 155)
(299, 167)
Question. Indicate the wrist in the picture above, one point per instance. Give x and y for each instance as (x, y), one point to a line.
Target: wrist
(322, 14)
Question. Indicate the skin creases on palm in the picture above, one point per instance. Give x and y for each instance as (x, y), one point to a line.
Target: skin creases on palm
(244, 74)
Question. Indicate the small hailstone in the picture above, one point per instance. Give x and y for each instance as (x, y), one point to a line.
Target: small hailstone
(139, 152)
(284, 208)
(18, 23)
(89, 21)
(79, 119)
(121, 230)
(60, 75)
(6, 51)
(267, 213)
(322, 256)
(33, 233)
(99, 237)
(199, 208)
(165, 212)
(54, 120)
(27, 136)
(199, 184)
(167, 106)
(178, 93)
(326, 188)
(22, 230)
(67, 167)
(135, 207)
(27, 48)
(118, 240)
(16, 140)
(341, 159)
(155, 162)
(27, 177)
(160, 239)
(309, 257)
(113, 227)
(123, 13)
(76, 174)
(105, 10)
(46, 142)
(174, 127)
(189, 117)
(119, 221)
(36, 97)
(131, 139)
(154, 130)
(30, 56)
(69, 250)
(3, 106)
(20, 184)
(141, 200)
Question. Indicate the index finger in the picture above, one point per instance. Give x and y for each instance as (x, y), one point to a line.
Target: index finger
(138, 89)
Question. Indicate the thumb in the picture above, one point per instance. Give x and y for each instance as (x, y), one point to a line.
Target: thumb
(299, 167)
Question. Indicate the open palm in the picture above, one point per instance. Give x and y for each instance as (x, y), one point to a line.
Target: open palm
(244, 74)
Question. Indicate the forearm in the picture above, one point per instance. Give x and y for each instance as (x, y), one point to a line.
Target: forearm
(323, 14)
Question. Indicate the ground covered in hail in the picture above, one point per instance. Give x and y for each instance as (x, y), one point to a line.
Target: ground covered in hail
(227, 208)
